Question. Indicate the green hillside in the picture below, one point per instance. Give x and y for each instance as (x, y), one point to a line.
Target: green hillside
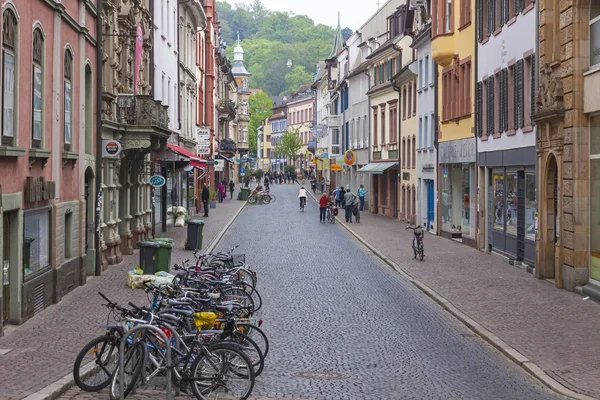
(271, 38)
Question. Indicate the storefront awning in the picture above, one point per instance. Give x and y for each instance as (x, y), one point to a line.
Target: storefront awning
(376, 168)
(194, 160)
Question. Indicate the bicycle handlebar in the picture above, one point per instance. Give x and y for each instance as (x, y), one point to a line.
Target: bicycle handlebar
(416, 227)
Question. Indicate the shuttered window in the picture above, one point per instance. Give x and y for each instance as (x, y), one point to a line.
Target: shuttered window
(521, 93)
(491, 21)
(533, 87)
(518, 94)
(479, 19)
(490, 106)
(504, 99)
(479, 108)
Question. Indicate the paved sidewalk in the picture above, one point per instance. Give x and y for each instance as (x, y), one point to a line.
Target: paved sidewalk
(553, 328)
(42, 350)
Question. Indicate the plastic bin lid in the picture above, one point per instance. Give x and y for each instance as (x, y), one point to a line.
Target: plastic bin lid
(195, 222)
(160, 240)
(148, 244)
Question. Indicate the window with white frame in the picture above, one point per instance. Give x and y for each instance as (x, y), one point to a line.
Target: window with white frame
(68, 100)
(427, 82)
(37, 89)
(9, 48)
(425, 133)
(594, 33)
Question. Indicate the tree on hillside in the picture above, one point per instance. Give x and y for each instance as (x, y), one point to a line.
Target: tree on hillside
(290, 144)
(260, 109)
(296, 78)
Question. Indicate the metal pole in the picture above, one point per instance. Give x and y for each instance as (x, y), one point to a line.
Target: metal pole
(163, 200)
(122, 359)
(98, 269)
(187, 190)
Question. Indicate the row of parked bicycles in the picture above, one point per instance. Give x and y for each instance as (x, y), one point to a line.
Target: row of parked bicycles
(200, 333)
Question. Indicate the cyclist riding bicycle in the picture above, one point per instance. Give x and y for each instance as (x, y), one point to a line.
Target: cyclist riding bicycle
(302, 197)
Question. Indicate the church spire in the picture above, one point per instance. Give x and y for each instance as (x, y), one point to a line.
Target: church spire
(338, 43)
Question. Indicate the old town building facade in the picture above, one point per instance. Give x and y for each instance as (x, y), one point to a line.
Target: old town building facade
(452, 48)
(48, 149)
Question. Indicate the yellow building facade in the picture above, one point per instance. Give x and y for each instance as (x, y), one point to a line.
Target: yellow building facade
(265, 148)
(452, 48)
(300, 118)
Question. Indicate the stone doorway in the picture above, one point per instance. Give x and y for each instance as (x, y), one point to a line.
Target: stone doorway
(549, 248)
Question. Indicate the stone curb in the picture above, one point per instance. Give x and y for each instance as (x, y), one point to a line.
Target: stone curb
(509, 352)
(52, 391)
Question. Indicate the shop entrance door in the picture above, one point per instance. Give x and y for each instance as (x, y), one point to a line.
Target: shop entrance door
(376, 194)
(430, 203)
(6, 263)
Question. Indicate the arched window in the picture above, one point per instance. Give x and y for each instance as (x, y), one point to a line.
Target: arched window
(403, 201)
(68, 99)
(9, 59)
(245, 83)
(408, 152)
(37, 86)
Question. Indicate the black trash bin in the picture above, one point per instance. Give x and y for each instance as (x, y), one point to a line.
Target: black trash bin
(148, 257)
(194, 235)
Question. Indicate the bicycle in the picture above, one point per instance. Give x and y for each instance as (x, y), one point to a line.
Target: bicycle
(417, 244)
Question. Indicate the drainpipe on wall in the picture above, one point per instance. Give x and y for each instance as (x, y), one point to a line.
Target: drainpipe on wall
(179, 74)
(436, 130)
(399, 138)
(368, 75)
(98, 269)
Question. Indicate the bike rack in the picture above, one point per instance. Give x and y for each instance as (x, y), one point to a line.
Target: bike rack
(122, 359)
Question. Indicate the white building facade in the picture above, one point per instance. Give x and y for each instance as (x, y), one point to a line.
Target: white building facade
(506, 154)
(426, 151)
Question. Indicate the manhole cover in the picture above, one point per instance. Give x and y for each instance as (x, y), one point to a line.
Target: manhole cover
(318, 375)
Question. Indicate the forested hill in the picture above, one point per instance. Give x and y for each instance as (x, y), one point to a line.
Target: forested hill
(270, 38)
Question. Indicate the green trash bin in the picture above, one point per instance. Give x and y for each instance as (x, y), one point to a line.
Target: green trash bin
(148, 257)
(244, 194)
(163, 254)
(194, 234)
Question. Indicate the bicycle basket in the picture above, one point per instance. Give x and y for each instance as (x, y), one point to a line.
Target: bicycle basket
(238, 259)
(204, 320)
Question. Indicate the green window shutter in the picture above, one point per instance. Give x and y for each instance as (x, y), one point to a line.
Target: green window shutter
(491, 107)
(479, 109)
(516, 95)
(533, 86)
(479, 20)
(521, 64)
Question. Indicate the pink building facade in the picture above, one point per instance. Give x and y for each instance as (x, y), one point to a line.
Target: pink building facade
(46, 152)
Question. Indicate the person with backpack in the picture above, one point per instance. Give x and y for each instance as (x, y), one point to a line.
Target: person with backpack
(350, 201)
(231, 188)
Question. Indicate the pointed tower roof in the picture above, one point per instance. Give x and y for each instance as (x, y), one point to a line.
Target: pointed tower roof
(338, 44)
(238, 60)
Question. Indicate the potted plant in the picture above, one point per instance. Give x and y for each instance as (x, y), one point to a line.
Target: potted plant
(213, 199)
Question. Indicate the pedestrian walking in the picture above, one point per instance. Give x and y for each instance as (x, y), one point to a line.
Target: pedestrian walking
(221, 191)
(205, 198)
(266, 182)
(323, 185)
(350, 200)
(322, 207)
(361, 197)
(313, 185)
(231, 188)
(337, 195)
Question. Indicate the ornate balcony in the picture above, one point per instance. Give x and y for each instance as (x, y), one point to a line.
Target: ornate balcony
(142, 110)
(227, 110)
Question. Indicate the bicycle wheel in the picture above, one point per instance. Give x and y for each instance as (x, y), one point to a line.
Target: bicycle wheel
(134, 361)
(104, 351)
(252, 199)
(250, 348)
(421, 252)
(266, 199)
(256, 334)
(223, 372)
(415, 251)
(239, 296)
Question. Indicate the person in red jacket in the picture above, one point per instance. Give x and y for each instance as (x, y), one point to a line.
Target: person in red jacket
(322, 207)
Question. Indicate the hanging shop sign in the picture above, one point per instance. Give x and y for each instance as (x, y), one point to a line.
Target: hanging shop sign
(188, 168)
(349, 157)
(111, 148)
(336, 167)
(157, 181)
(203, 134)
(203, 149)
(219, 165)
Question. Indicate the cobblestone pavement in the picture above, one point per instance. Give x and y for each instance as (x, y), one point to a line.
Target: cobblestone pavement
(342, 325)
(43, 349)
(553, 328)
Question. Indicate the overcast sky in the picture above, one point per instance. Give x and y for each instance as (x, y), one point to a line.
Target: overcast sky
(353, 12)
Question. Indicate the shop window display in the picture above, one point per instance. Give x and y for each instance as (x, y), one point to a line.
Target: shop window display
(595, 198)
(36, 243)
(510, 197)
(499, 201)
(530, 206)
(457, 191)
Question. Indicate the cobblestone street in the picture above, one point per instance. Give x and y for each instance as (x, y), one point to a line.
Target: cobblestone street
(342, 325)
(42, 351)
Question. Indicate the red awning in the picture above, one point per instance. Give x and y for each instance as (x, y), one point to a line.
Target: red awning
(194, 160)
